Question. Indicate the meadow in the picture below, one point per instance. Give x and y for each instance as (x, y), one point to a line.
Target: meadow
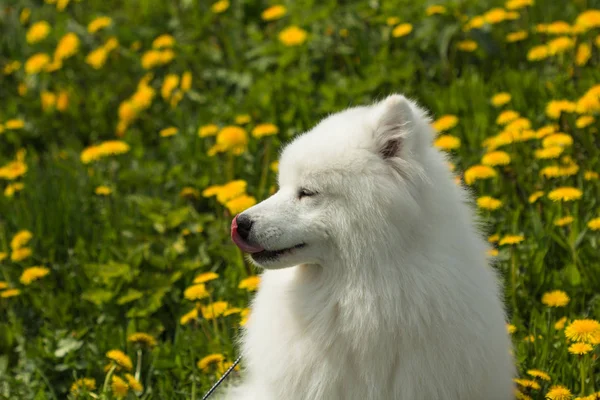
(132, 132)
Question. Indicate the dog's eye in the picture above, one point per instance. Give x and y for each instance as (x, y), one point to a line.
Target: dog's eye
(303, 192)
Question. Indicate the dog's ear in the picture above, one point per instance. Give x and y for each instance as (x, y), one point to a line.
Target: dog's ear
(393, 126)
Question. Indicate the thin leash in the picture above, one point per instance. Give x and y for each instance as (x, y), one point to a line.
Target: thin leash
(222, 378)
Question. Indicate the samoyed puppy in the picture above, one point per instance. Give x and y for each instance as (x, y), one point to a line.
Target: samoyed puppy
(376, 281)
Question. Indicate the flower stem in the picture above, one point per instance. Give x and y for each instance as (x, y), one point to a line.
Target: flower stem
(107, 379)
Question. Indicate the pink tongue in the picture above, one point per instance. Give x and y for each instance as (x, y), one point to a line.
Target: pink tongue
(241, 243)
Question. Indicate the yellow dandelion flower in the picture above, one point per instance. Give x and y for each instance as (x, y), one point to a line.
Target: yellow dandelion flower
(108, 148)
(36, 63)
(120, 358)
(83, 385)
(591, 175)
(548, 152)
(3, 285)
(495, 16)
(474, 23)
(478, 172)
(580, 348)
(517, 4)
(98, 24)
(103, 191)
(559, 392)
(208, 130)
(495, 158)
(261, 130)
(500, 99)
(274, 12)
(558, 28)
(232, 311)
(521, 396)
(510, 328)
(211, 359)
(67, 46)
(20, 239)
(170, 131)
(10, 293)
(527, 383)
(519, 124)
(24, 15)
(564, 221)
(239, 204)
(535, 196)
(242, 119)
(133, 383)
(538, 53)
(556, 298)
(20, 254)
(206, 277)
(494, 238)
(506, 117)
(445, 123)
(250, 283)
(594, 224)
(186, 81)
(230, 138)
(588, 19)
(435, 9)
(189, 316)
(583, 55)
(511, 239)
(447, 142)
(565, 193)
(488, 203)
(274, 166)
(516, 36)
(169, 84)
(33, 274)
(536, 373)
(492, 252)
(38, 32)
(163, 41)
(292, 36)
(119, 387)
(560, 45)
(584, 121)
(556, 107)
(97, 58)
(189, 192)
(582, 330)
(196, 292)
(557, 139)
(214, 310)
(220, 6)
(402, 30)
(467, 45)
(142, 339)
(560, 324)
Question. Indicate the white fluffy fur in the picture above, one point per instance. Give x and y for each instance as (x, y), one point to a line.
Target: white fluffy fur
(393, 296)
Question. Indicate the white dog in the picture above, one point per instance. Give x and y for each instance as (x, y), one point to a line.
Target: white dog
(377, 283)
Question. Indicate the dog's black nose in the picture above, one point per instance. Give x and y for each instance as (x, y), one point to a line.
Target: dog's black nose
(244, 224)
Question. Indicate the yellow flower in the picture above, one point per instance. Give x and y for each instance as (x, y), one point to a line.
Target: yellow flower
(120, 359)
(142, 339)
(134, 384)
(214, 310)
(206, 277)
(474, 23)
(565, 194)
(500, 99)
(196, 292)
(189, 316)
(496, 158)
(435, 9)
(556, 107)
(580, 348)
(510, 328)
(67, 46)
(447, 142)
(20, 254)
(240, 204)
(506, 117)
(535, 196)
(488, 203)
(445, 123)
(583, 330)
(250, 283)
(99, 23)
(536, 373)
(273, 13)
(517, 4)
(231, 311)
(24, 15)
(492, 252)
(3, 285)
(48, 99)
(13, 170)
(558, 28)
(521, 396)
(588, 19)
(560, 324)
(83, 385)
(119, 387)
(97, 58)
(594, 224)
(155, 58)
(495, 15)
(10, 293)
(583, 55)
(62, 101)
(556, 298)
(36, 63)
(557, 139)
(211, 359)
(516, 36)
(170, 131)
(10, 191)
(548, 152)
(38, 32)
(261, 130)
(584, 121)
(163, 41)
(242, 119)
(274, 166)
(33, 274)
(558, 392)
(226, 192)
(245, 314)
(563, 221)
(511, 239)
(402, 30)
(560, 45)
(110, 147)
(186, 81)
(189, 192)
(538, 53)
(494, 238)
(208, 130)
(103, 191)
(292, 36)
(518, 124)
(20, 239)
(230, 138)
(220, 6)
(477, 172)
(591, 175)
(528, 383)
(467, 45)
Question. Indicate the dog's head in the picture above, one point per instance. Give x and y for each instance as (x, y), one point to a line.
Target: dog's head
(344, 188)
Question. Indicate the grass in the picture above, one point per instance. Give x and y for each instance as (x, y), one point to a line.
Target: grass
(122, 262)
